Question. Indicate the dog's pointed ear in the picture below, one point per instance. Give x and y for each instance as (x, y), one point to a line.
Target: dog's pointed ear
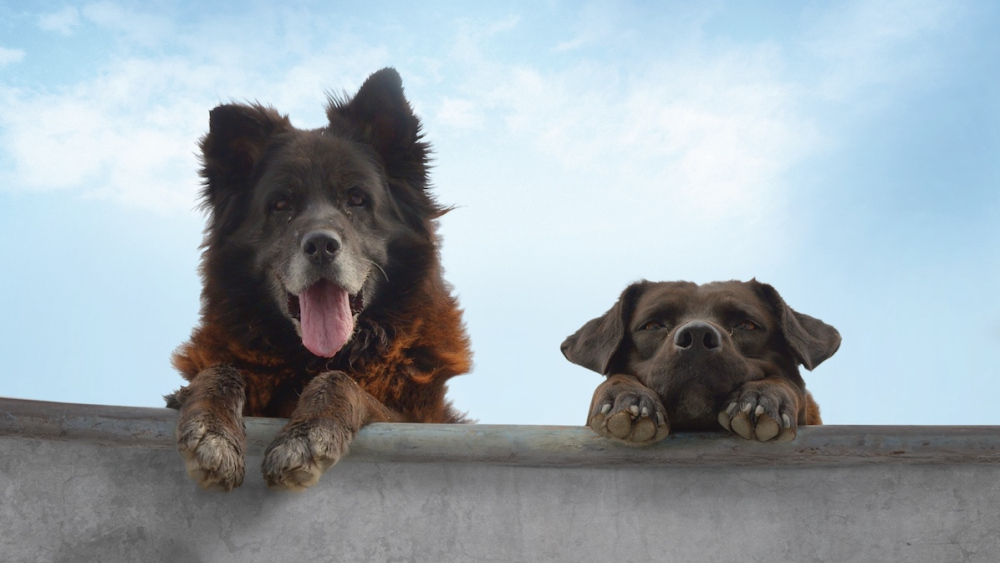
(237, 137)
(384, 119)
(598, 344)
(811, 340)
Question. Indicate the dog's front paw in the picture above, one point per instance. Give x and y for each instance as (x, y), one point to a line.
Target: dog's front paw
(212, 450)
(624, 409)
(762, 411)
(302, 452)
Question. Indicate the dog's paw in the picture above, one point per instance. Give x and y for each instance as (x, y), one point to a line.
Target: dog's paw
(212, 452)
(631, 413)
(761, 411)
(300, 454)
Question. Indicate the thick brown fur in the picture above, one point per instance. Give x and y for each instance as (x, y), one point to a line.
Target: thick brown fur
(246, 357)
(682, 356)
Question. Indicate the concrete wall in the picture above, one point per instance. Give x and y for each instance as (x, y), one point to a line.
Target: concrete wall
(93, 483)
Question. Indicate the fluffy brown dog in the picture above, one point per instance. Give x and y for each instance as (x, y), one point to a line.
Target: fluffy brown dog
(323, 298)
(682, 356)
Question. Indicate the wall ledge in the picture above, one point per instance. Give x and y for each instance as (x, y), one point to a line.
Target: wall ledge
(104, 484)
(533, 446)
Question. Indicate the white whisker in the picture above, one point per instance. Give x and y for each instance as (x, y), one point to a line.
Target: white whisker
(386, 276)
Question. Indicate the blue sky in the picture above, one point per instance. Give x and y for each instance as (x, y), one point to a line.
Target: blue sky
(848, 153)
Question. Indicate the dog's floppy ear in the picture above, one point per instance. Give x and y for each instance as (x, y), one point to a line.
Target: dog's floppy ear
(598, 343)
(812, 340)
(236, 139)
(385, 120)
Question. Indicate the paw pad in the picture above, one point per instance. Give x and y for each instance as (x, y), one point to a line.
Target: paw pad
(755, 416)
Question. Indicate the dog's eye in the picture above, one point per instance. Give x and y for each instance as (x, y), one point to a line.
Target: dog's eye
(356, 199)
(652, 325)
(281, 204)
(747, 325)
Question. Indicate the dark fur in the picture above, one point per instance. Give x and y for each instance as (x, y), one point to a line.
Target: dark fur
(363, 180)
(682, 356)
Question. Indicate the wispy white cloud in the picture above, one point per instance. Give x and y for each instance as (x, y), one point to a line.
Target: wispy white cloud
(699, 141)
(719, 123)
(64, 21)
(597, 22)
(680, 159)
(460, 113)
(471, 34)
(130, 133)
(143, 28)
(10, 56)
(863, 47)
(115, 137)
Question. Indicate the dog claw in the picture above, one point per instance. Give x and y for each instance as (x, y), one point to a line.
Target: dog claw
(759, 411)
(634, 409)
(606, 409)
(645, 411)
(660, 421)
(731, 408)
(787, 421)
(724, 420)
(746, 408)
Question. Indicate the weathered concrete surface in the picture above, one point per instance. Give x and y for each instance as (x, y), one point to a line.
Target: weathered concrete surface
(84, 483)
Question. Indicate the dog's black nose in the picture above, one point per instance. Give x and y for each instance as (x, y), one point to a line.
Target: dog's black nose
(321, 246)
(697, 336)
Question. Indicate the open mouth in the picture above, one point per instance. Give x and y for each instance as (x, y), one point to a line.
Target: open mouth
(357, 302)
(326, 314)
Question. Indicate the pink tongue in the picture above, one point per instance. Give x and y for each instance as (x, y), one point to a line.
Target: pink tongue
(327, 322)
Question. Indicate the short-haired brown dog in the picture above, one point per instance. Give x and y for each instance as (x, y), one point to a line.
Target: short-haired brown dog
(683, 356)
